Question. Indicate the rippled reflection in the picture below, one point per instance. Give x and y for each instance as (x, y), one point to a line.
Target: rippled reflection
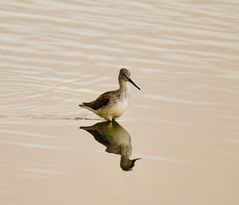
(116, 139)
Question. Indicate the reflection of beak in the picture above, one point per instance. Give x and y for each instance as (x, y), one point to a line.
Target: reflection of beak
(127, 164)
(133, 83)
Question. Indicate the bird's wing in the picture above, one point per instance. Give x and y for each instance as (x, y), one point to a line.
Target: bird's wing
(100, 102)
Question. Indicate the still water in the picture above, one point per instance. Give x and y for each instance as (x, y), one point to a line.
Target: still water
(178, 143)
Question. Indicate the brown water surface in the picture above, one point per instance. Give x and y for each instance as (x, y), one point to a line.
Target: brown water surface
(184, 124)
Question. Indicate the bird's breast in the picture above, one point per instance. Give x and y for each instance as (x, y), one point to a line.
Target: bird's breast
(117, 109)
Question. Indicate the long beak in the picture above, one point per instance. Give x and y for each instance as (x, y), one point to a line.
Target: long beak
(133, 83)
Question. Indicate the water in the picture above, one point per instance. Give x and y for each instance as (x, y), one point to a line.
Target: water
(183, 124)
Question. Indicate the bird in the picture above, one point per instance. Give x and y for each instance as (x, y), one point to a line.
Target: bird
(116, 140)
(112, 104)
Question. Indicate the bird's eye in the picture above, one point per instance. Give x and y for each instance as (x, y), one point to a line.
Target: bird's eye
(125, 76)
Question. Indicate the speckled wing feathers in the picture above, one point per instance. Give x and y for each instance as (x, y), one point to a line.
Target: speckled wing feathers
(100, 102)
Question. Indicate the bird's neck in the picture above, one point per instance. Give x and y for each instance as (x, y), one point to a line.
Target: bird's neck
(124, 87)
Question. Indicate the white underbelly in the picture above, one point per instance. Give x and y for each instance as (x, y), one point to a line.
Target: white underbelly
(114, 111)
(118, 109)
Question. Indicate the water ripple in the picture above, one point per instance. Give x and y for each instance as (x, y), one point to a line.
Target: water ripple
(56, 54)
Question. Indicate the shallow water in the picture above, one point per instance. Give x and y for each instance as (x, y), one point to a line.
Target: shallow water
(184, 124)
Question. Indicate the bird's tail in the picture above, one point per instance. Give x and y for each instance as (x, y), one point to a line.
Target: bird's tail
(83, 105)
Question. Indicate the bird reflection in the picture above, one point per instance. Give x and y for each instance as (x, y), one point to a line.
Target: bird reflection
(116, 139)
